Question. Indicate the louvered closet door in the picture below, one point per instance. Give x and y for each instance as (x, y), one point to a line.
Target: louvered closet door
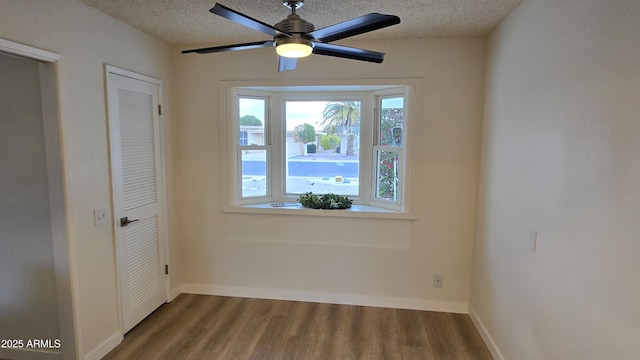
(135, 142)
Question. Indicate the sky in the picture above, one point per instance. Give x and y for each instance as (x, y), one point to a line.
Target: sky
(298, 112)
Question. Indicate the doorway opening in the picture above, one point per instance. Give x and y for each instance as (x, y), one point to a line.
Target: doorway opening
(35, 275)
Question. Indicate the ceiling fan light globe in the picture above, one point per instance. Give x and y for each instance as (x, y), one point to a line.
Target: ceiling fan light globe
(294, 50)
(295, 47)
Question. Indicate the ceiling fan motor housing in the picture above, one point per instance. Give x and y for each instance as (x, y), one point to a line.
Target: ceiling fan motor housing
(294, 24)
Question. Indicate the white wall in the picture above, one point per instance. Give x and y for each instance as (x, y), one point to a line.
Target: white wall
(560, 156)
(390, 261)
(28, 306)
(87, 39)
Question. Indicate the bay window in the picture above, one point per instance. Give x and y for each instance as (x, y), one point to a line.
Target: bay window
(284, 141)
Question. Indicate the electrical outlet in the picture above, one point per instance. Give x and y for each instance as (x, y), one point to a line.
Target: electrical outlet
(100, 217)
(438, 279)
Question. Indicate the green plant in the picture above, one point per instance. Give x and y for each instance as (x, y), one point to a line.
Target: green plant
(329, 142)
(250, 120)
(304, 133)
(390, 119)
(327, 201)
(388, 178)
(341, 114)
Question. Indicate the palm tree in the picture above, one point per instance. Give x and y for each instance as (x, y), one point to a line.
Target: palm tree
(341, 114)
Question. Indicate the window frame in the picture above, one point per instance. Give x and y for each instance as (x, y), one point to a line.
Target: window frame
(369, 92)
(401, 150)
(266, 146)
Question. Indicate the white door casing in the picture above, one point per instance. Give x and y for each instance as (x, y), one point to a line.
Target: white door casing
(138, 193)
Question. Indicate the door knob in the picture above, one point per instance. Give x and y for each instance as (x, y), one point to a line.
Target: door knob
(124, 221)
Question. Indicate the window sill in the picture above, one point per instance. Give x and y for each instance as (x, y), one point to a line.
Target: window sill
(356, 211)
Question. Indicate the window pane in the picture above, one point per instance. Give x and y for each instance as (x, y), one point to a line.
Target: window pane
(254, 173)
(391, 117)
(322, 147)
(252, 114)
(244, 138)
(388, 165)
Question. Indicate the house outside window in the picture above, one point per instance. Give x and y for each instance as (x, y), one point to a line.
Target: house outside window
(244, 136)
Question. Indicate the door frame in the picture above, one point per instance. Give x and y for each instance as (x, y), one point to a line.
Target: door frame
(109, 69)
(63, 245)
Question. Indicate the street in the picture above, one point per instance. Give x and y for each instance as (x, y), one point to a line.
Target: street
(310, 168)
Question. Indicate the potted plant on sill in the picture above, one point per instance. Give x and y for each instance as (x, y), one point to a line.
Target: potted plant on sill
(326, 202)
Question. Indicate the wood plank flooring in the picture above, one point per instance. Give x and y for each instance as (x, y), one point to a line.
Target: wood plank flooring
(229, 328)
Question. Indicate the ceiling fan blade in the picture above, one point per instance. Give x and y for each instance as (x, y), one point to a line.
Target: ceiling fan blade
(359, 25)
(247, 21)
(285, 64)
(348, 52)
(234, 47)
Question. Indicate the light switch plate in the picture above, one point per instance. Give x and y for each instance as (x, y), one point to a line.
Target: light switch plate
(100, 217)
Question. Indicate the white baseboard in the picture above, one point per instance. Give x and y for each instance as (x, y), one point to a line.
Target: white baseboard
(103, 349)
(331, 298)
(485, 335)
(173, 294)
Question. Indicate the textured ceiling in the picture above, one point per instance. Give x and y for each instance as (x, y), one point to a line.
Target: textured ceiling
(189, 22)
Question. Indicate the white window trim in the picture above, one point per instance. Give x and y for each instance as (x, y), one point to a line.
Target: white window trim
(233, 154)
(373, 208)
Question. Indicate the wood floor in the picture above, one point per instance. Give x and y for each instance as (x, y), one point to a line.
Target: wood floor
(216, 327)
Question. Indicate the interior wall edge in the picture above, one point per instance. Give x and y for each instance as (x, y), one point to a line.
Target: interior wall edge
(107, 345)
(484, 333)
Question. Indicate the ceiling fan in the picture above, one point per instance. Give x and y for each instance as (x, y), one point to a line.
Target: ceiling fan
(295, 37)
